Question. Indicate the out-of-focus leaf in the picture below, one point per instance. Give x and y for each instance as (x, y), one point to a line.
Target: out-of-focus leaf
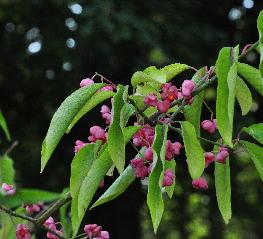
(193, 149)
(3, 125)
(260, 31)
(63, 118)
(255, 152)
(28, 196)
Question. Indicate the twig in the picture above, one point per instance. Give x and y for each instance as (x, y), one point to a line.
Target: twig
(11, 148)
(53, 208)
(14, 214)
(178, 110)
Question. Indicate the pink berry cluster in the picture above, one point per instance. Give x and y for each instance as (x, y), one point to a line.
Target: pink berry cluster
(8, 189)
(34, 208)
(96, 133)
(51, 224)
(88, 81)
(142, 165)
(209, 125)
(168, 178)
(22, 232)
(169, 94)
(94, 231)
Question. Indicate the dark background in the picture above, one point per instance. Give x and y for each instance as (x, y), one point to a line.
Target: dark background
(48, 46)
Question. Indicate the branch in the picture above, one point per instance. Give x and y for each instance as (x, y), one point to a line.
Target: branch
(14, 214)
(53, 208)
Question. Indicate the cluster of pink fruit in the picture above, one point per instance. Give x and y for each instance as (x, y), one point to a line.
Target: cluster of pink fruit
(169, 94)
(143, 164)
(92, 231)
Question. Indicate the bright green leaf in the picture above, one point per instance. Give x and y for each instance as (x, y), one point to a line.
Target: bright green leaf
(126, 112)
(226, 71)
(255, 131)
(255, 152)
(7, 171)
(118, 187)
(140, 77)
(173, 70)
(98, 98)
(157, 76)
(223, 189)
(95, 175)
(63, 118)
(260, 31)
(3, 125)
(116, 145)
(252, 76)
(243, 96)
(80, 166)
(154, 196)
(193, 149)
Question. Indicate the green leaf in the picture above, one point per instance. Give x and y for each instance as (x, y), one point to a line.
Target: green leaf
(80, 166)
(154, 196)
(7, 171)
(192, 113)
(116, 145)
(170, 165)
(95, 175)
(157, 76)
(98, 98)
(140, 77)
(126, 112)
(252, 76)
(243, 96)
(223, 189)
(255, 152)
(28, 196)
(260, 31)
(173, 70)
(63, 118)
(118, 187)
(65, 220)
(3, 125)
(226, 71)
(255, 131)
(193, 149)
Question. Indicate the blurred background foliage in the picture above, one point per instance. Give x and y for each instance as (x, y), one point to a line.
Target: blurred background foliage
(48, 46)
